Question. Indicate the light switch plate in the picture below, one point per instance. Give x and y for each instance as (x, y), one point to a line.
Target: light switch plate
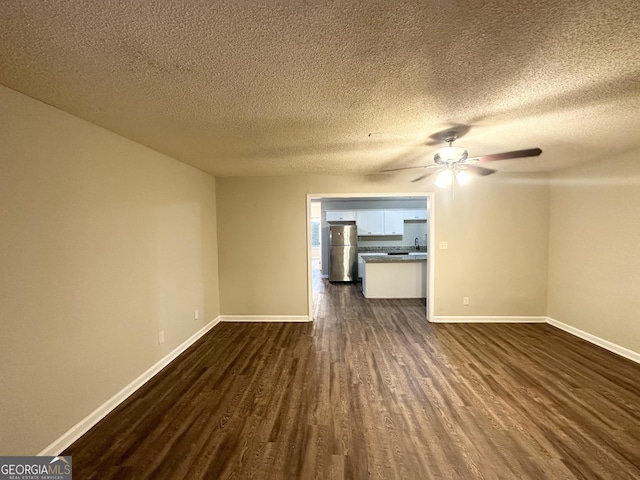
(444, 245)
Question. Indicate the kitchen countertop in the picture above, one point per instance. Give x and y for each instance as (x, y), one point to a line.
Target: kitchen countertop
(401, 248)
(382, 258)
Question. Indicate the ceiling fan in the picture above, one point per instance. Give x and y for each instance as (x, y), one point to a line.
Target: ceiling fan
(455, 163)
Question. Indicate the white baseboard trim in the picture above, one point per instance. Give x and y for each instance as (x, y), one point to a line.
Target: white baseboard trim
(84, 425)
(601, 342)
(487, 319)
(264, 318)
(103, 410)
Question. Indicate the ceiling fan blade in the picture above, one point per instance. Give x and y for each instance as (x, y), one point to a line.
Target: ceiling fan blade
(400, 168)
(423, 176)
(530, 152)
(408, 168)
(481, 171)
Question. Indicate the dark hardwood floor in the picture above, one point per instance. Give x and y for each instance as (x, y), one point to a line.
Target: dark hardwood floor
(372, 390)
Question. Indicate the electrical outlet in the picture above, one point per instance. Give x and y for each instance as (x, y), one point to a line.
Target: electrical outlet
(444, 245)
(196, 315)
(161, 336)
(465, 300)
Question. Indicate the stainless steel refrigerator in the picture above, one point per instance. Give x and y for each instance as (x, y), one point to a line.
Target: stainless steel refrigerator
(343, 253)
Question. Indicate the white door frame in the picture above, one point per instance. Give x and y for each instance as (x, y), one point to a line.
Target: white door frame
(430, 199)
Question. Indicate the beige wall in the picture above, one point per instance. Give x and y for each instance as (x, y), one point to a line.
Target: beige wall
(103, 243)
(594, 260)
(497, 229)
(497, 233)
(262, 247)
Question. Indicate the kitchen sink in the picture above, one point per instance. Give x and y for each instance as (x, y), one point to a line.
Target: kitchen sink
(397, 253)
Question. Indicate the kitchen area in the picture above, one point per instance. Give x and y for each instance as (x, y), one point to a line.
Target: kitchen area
(380, 242)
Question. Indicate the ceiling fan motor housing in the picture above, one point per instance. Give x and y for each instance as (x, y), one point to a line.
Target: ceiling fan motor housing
(450, 154)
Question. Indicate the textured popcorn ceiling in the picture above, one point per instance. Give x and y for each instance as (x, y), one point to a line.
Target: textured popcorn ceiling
(271, 88)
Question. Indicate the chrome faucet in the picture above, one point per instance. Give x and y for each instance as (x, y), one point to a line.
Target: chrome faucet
(416, 243)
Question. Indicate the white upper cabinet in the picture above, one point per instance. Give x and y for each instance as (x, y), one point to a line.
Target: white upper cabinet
(380, 222)
(340, 216)
(377, 222)
(370, 222)
(394, 222)
(417, 214)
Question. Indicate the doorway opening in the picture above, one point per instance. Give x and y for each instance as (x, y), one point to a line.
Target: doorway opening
(410, 226)
(315, 234)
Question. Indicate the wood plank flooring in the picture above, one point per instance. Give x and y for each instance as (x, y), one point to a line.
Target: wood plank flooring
(372, 390)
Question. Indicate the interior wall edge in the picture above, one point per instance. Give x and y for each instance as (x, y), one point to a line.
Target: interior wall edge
(601, 342)
(84, 425)
(489, 319)
(264, 318)
(595, 340)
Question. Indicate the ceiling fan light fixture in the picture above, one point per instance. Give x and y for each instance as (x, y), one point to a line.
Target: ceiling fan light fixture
(451, 155)
(463, 177)
(444, 178)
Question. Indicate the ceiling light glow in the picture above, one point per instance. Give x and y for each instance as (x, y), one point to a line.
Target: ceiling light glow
(444, 179)
(463, 177)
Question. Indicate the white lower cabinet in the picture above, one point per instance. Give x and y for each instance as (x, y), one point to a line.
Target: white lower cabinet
(361, 261)
(395, 280)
